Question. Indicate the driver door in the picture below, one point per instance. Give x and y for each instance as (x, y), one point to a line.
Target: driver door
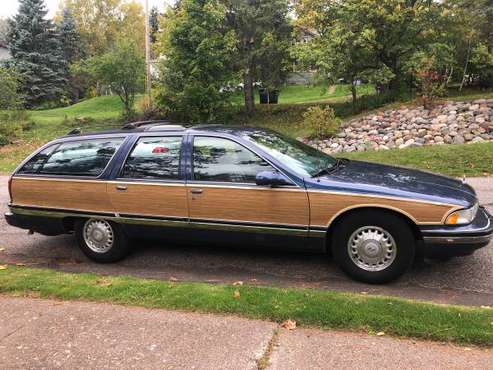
(223, 189)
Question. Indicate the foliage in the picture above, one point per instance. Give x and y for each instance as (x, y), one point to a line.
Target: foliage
(154, 23)
(198, 49)
(482, 65)
(122, 70)
(263, 35)
(323, 121)
(431, 71)
(37, 54)
(10, 82)
(366, 40)
(103, 23)
(73, 51)
(12, 124)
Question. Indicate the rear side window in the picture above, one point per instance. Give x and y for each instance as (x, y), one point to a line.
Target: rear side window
(154, 158)
(75, 158)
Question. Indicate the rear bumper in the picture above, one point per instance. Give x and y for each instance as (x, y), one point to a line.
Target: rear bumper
(44, 225)
(459, 240)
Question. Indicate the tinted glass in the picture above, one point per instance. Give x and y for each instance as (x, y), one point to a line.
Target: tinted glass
(223, 160)
(301, 158)
(35, 164)
(76, 158)
(154, 158)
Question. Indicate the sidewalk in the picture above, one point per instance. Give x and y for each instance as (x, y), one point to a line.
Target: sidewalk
(36, 333)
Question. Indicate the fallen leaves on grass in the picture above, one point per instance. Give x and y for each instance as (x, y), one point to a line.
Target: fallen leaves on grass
(20, 264)
(3, 267)
(236, 294)
(173, 279)
(380, 334)
(238, 283)
(289, 324)
(104, 282)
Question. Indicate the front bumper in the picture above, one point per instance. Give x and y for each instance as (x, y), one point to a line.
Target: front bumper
(458, 240)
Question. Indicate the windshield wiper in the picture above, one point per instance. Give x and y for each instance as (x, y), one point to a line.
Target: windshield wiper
(328, 170)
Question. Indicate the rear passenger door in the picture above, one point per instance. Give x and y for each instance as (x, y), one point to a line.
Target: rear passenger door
(150, 183)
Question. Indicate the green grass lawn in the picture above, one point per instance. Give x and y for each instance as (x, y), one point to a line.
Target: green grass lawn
(451, 160)
(298, 94)
(310, 308)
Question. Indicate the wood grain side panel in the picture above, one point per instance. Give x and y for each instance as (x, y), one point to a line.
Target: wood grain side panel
(325, 207)
(274, 206)
(63, 194)
(149, 199)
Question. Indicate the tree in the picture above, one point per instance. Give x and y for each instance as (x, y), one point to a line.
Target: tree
(198, 50)
(368, 38)
(70, 39)
(122, 69)
(262, 31)
(103, 23)
(10, 81)
(73, 51)
(37, 54)
(154, 23)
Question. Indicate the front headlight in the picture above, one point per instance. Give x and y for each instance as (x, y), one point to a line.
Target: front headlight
(462, 217)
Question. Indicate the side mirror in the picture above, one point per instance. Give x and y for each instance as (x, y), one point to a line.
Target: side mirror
(271, 178)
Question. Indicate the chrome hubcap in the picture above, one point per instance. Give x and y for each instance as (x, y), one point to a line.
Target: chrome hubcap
(98, 235)
(372, 248)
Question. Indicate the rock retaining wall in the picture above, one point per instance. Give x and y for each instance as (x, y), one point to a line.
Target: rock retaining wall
(448, 123)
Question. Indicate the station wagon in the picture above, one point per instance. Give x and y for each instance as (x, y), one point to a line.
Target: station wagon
(241, 186)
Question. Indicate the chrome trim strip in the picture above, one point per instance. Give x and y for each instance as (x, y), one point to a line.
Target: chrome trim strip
(457, 240)
(174, 223)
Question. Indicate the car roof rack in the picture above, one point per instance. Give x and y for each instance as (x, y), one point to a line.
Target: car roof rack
(75, 131)
(134, 125)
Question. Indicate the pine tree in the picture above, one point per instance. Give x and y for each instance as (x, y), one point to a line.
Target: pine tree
(70, 38)
(154, 23)
(37, 54)
(73, 51)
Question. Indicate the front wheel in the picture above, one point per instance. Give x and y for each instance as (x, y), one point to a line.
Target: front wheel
(101, 240)
(373, 247)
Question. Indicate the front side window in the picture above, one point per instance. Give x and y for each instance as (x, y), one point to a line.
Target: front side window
(154, 158)
(223, 160)
(74, 158)
(299, 157)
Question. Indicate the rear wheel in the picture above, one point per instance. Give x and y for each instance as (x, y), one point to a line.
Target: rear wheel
(101, 240)
(373, 246)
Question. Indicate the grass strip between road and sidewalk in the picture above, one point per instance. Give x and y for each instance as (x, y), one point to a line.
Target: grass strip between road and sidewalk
(310, 308)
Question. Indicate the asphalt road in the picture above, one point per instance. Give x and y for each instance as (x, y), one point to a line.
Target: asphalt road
(465, 280)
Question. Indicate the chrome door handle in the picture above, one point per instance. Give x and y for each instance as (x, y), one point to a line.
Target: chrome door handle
(196, 191)
(121, 187)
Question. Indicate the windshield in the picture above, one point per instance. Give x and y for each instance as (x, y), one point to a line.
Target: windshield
(299, 157)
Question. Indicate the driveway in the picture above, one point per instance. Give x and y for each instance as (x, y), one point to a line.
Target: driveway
(465, 280)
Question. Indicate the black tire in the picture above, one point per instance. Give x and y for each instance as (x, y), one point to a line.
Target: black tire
(392, 225)
(119, 249)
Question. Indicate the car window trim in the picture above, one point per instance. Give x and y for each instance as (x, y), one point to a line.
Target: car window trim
(193, 181)
(181, 178)
(57, 145)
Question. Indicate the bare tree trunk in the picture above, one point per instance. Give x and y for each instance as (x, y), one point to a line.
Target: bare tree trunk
(248, 91)
(450, 75)
(466, 66)
(353, 92)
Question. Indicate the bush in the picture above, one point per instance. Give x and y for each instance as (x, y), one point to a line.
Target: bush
(322, 121)
(12, 125)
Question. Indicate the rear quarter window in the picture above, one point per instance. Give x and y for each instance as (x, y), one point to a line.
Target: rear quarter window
(75, 158)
